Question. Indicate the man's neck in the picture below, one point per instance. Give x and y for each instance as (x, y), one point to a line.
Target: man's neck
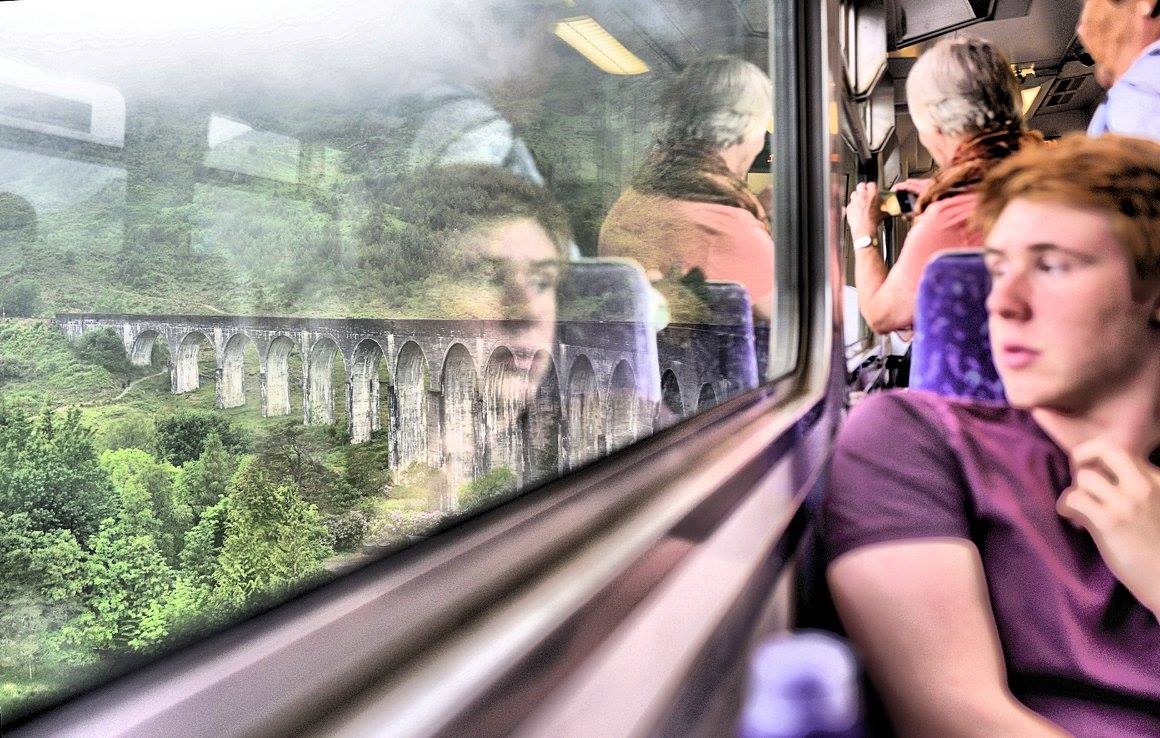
(1130, 418)
(1130, 54)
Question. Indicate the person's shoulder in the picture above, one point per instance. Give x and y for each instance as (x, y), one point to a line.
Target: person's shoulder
(926, 415)
(883, 407)
(896, 474)
(946, 224)
(726, 223)
(955, 207)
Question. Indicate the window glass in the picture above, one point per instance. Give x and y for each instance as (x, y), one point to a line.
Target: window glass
(286, 285)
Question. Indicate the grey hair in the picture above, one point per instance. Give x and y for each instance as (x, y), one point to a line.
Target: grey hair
(964, 87)
(718, 102)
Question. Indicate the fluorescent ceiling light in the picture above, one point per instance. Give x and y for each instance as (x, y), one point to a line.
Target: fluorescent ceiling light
(1029, 96)
(599, 46)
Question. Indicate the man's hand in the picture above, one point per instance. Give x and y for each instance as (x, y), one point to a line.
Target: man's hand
(1115, 496)
(864, 212)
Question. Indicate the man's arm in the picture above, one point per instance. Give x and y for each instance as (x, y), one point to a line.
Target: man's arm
(919, 614)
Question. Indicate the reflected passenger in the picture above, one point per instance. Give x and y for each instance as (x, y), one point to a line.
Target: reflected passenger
(1123, 37)
(966, 105)
(487, 245)
(689, 213)
(999, 567)
(484, 244)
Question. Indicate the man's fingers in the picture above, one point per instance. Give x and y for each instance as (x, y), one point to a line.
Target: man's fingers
(1080, 508)
(1121, 467)
(1097, 485)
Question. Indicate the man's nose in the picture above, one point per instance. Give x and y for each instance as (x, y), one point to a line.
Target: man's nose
(516, 296)
(1009, 297)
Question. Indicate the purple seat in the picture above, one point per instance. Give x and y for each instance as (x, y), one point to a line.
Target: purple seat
(952, 346)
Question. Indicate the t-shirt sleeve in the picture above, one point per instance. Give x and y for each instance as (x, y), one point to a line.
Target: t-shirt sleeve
(893, 477)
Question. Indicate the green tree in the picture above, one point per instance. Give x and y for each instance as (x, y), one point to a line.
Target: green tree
(367, 468)
(184, 605)
(49, 471)
(105, 349)
(204, 480)
(21, 299)
(289, 454)
(273, 539)
(126, 576)
(492, 486)
(41, 579)
(145, 491)
(203, 544)
(181, 437)
(131, 432)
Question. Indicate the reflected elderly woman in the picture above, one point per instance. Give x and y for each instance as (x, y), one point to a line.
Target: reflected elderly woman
(689, 212)
(966, 105)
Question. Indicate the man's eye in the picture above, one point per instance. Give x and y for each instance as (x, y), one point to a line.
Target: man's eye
(541, 282)
(1053, 265)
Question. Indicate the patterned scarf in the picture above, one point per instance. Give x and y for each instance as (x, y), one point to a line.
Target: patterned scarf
(686, 171)
(974, 159)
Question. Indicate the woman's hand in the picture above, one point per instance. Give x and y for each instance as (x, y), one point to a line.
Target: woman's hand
(864, 211)
(1115, 496)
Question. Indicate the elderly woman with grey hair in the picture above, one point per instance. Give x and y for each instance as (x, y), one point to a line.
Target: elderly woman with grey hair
(965, 103)
(689, 214)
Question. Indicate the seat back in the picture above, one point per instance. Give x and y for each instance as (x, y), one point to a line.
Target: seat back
(952, 345)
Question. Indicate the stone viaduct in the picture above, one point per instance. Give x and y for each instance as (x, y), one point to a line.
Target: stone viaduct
(463, 396)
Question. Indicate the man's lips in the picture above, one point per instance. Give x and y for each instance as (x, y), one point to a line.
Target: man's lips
(1016, 356)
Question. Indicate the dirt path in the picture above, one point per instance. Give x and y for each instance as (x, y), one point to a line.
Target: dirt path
(132, 384)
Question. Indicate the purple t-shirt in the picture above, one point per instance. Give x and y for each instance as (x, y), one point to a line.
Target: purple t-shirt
(1080, 650)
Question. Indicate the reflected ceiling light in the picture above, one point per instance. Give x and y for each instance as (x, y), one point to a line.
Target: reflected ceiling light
(1029, 96)
(599, 46)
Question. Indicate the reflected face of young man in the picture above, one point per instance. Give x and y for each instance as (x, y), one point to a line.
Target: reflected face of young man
(520, 266)
(1069, 318)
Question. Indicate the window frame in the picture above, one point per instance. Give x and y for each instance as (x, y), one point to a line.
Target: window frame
(283, 668)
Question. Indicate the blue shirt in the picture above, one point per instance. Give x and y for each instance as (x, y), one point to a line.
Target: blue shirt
(1133, 106)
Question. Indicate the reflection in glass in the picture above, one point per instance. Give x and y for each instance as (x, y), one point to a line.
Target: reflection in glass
(34, 99)
(236, 147)
(285, 291)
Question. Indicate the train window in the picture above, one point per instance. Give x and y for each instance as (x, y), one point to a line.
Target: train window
(289, 286)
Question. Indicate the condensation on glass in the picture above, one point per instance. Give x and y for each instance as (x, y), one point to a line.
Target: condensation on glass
(286, 285)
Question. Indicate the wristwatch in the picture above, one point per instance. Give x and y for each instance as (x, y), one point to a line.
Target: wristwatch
(863, 242)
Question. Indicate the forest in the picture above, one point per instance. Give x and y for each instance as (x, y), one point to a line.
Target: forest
(125, 527)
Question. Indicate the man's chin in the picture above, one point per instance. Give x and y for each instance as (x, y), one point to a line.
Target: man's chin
(1104, 76)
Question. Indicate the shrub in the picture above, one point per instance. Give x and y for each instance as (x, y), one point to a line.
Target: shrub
(104, 348)
(494, 485)
(181, 437)
(347, 530)
(397, 526)
(133, 432)
(21, 299)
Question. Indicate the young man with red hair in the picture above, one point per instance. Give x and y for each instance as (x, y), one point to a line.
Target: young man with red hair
(998, 567)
